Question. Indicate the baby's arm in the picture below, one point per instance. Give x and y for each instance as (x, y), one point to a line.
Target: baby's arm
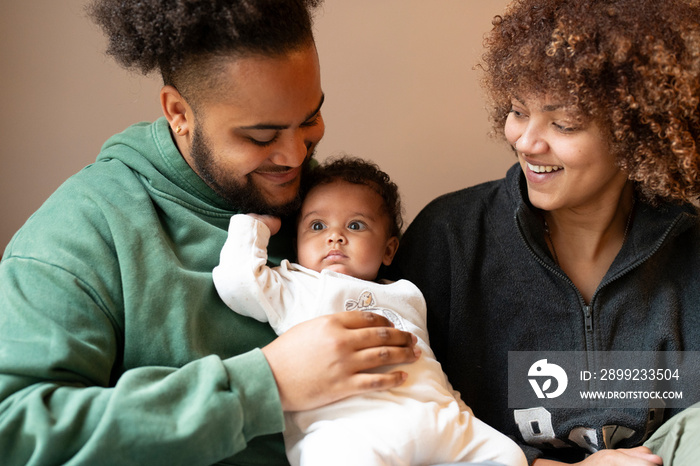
(243, 280)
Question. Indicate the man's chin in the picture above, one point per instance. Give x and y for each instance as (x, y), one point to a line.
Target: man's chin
(258, 196)
(283, 210)
(280, 204)
(282, 201)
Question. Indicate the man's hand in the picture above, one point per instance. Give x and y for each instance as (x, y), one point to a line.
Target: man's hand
(638, 456)
(325, 359)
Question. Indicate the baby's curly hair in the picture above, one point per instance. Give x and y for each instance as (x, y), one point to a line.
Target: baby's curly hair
(358, 171)
(631, 65)
(186, 40)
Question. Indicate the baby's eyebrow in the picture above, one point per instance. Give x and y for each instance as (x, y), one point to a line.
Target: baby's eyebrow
(363, 215)
(354, 214)
(309, 214)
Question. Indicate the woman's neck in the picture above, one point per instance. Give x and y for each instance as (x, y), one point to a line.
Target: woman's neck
(585, 241)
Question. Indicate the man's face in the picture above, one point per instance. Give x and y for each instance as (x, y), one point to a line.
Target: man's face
(252, 145)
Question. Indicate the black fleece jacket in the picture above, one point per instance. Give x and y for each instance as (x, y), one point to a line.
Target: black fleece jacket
(491, 286)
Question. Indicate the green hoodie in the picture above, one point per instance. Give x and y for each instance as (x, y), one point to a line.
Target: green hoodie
(114, 346)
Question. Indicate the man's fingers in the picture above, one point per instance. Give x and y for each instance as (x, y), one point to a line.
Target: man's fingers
(383, 336)
(362, 319)
(373, 330)
(378, 356)
(331, 357)
(364, 383)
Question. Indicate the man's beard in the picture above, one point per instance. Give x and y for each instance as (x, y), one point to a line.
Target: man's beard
(245, 197)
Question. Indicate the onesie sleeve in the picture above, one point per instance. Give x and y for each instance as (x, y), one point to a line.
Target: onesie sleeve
(243, 279)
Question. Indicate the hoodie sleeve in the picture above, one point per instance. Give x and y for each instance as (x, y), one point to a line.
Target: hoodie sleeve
(58, 404)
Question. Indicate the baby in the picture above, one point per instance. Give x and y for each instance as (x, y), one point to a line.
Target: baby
(347, 229)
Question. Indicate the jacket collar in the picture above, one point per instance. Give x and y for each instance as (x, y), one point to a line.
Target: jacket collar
(652, 225)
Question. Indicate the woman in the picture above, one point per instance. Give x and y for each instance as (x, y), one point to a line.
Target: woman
(590, 242)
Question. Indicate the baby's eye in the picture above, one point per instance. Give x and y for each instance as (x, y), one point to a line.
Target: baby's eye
(357, 226)
(317, 226)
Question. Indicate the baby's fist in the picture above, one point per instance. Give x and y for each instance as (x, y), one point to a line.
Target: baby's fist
(273, 223)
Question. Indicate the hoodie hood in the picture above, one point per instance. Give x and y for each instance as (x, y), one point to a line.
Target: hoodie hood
(149, 150)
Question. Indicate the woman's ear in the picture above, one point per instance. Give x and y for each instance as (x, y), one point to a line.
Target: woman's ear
(392, 245)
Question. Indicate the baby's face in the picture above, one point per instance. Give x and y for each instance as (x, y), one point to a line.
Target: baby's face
(343, 228)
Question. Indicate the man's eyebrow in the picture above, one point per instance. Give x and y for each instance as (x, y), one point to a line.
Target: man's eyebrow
(281, 127)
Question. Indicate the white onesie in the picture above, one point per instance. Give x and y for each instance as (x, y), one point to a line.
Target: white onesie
(422, 422)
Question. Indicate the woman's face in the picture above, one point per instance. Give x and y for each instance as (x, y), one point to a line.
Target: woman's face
(251, 143)
(566, 160)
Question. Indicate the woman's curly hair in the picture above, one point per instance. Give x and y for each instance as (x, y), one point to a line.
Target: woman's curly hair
(185, 40)
(358, 171)
(631, 65)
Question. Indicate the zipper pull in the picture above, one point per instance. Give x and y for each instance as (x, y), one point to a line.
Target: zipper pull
(589, 318)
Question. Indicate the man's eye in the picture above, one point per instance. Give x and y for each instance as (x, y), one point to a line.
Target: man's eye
(358, 226)
(264, 143)
(317, 226)
(262, 137)
(313, 121)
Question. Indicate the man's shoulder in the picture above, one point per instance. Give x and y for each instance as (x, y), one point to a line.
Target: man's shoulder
(81, 206)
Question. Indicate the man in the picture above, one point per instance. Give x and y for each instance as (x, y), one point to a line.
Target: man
(114, 346)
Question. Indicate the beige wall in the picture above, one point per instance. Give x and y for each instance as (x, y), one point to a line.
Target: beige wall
(398, 77)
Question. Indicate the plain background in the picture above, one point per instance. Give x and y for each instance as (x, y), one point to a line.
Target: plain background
(399, 78)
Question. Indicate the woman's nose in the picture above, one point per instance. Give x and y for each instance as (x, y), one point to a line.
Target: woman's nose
(531, 142)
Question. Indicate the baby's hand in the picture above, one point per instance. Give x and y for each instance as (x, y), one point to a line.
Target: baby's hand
(273, 223)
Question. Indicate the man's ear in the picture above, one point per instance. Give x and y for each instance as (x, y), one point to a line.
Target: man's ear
(177, 111)
(392, 245)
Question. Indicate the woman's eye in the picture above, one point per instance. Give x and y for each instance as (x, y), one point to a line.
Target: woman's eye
(357, 226)
(317, 226)
(564, 128)
(517, 113)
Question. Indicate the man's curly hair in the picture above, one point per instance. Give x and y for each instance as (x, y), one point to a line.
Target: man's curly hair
(186, 40)
(631, 65)
(358, 171)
